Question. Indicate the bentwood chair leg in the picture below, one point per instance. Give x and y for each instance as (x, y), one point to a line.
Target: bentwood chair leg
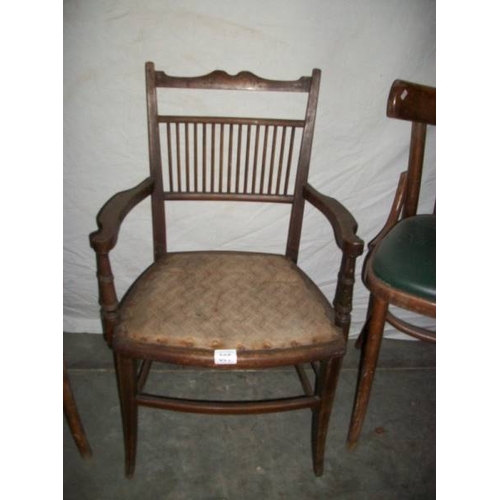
(367, 366)
(364, 331)
(326, 385)
(73, 417)
(127, 387)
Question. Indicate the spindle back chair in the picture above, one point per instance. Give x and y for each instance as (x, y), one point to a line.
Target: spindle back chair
(227, 310)
(230, 158)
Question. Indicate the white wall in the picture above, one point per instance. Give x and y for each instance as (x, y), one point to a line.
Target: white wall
(360, 46)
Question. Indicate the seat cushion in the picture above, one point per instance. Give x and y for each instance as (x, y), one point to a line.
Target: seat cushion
(226, 300)
(406, 258)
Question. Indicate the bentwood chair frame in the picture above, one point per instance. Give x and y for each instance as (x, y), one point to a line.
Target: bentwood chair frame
(182, 180)
(415, 103)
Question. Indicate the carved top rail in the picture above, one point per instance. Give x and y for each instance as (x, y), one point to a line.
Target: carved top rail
(220, 80)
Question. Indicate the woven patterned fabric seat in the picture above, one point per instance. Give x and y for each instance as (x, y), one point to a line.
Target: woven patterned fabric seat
(226, 300)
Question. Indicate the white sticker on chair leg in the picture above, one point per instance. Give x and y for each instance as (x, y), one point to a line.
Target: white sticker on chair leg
(225, 357)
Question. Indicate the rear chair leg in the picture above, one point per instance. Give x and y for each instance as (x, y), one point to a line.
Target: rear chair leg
(326, 384)
(127, 387)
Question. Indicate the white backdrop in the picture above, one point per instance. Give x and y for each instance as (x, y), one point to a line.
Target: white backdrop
(361, 46)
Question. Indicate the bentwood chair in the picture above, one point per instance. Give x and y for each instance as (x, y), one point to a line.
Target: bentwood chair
(73, 417)
(227, 310)
(400, 268)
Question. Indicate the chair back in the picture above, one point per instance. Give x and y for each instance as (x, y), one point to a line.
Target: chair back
(229, 158)
(417, 104)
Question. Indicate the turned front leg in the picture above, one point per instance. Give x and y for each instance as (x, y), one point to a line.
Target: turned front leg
(107, 296)
(342, 302)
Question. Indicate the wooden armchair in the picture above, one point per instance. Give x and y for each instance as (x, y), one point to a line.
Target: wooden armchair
(400, 268)
(227, 310)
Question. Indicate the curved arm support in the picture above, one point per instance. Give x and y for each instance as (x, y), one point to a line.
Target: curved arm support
(114, 211)
(344, 227)
(343, 223)
(103, 240)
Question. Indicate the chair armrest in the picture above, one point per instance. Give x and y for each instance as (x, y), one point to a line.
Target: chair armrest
(114, 211)
(343, 223)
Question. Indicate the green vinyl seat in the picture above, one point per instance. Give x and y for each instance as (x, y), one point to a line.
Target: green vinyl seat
(406, 257)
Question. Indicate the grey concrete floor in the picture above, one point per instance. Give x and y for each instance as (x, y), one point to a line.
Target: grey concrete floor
(183, 456)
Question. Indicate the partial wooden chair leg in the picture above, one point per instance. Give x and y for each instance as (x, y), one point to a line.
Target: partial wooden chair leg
(362, 335)
(367, 367)
(73, 417)
(326, 384)
(127, 387)
(143, 374)
(364, 331)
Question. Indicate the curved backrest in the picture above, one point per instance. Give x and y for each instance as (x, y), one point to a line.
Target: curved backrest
(230, 158)
(415, 103)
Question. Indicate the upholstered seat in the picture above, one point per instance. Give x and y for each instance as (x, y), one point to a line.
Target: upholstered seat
(227, 310)
(226, 300)
(400, 267)
(406, 257)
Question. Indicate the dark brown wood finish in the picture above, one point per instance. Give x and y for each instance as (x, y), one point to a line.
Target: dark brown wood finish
(73, 417)
(397, 297)
(417, 104)
(326, 385)
(232, 158)
(246, 359)
(103, 241)
(126, 374)
(228, 407)
(220, 80)
(412, 102)
(292, 249)
(155, 166)
(229, 177)
(368, 364)
(344, 229)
